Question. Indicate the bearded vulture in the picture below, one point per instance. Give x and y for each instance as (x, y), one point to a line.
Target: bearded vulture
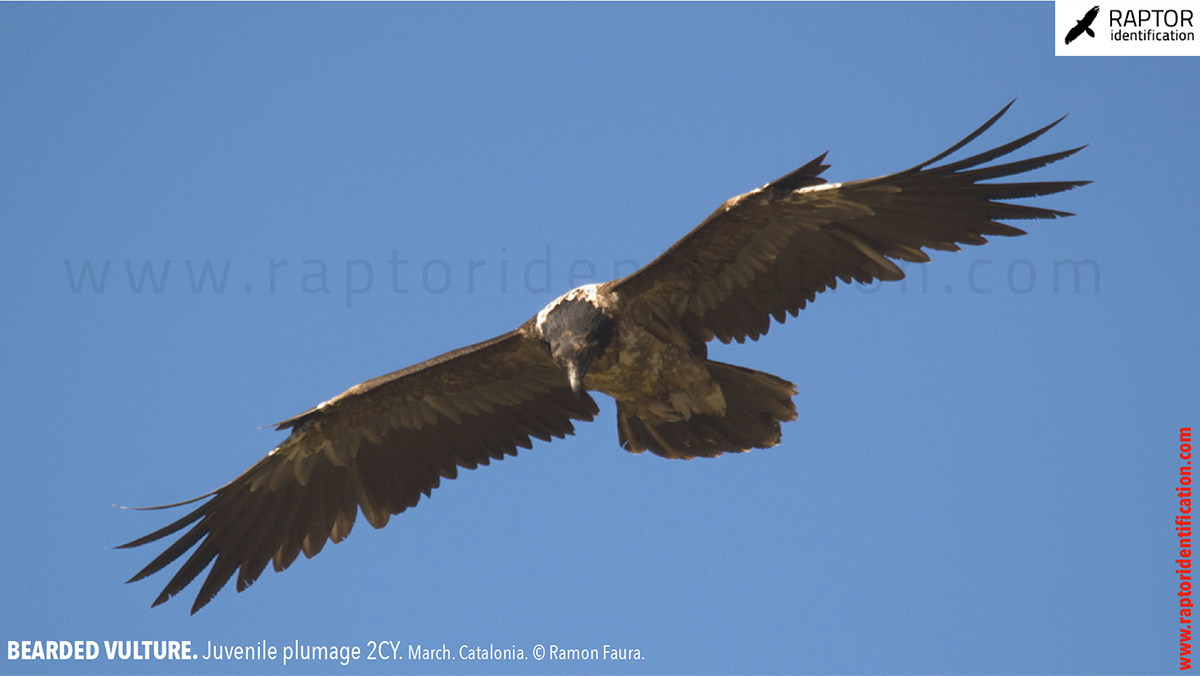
(641, 340)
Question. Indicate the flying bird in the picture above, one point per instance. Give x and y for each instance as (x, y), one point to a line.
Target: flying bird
(641, 339)
(1084, 25)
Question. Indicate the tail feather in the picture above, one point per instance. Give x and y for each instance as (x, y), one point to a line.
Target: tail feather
(755, 404)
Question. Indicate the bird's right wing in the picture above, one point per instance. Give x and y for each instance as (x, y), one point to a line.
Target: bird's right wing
(767, 253)
(376, 447)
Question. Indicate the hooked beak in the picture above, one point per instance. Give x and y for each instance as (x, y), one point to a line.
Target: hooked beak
(575, 375)
(573, 357)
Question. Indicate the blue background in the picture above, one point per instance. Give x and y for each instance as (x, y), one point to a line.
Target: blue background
(981, 477)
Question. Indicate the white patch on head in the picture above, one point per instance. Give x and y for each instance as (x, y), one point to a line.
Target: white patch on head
(589, 292)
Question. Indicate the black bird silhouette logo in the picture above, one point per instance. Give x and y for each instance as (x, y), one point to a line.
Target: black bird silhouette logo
(1084, 25)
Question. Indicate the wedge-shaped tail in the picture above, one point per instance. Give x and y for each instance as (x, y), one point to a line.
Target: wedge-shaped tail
(755, 404)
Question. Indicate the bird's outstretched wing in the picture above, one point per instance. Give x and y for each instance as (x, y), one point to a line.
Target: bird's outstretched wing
(769, 252)
(376, 447)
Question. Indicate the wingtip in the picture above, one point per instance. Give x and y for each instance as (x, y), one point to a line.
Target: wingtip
(1055, 123)
(970, 137)
(173, 504)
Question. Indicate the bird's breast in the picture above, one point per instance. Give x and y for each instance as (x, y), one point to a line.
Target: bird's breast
(657, 378)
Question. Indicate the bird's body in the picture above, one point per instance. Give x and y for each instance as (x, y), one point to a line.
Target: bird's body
(662, 379)
(641, 340)
(659, 379)
(671, 399)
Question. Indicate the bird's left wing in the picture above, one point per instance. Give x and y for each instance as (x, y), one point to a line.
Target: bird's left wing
(376, 447)
(767, 253)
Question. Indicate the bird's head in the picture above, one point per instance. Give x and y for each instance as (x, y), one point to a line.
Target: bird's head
(577, 333)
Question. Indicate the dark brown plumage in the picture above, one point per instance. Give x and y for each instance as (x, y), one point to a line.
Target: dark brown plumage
(376, 447)
(640, 339)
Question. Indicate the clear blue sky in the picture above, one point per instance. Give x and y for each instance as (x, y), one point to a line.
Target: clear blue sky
(980, 479)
